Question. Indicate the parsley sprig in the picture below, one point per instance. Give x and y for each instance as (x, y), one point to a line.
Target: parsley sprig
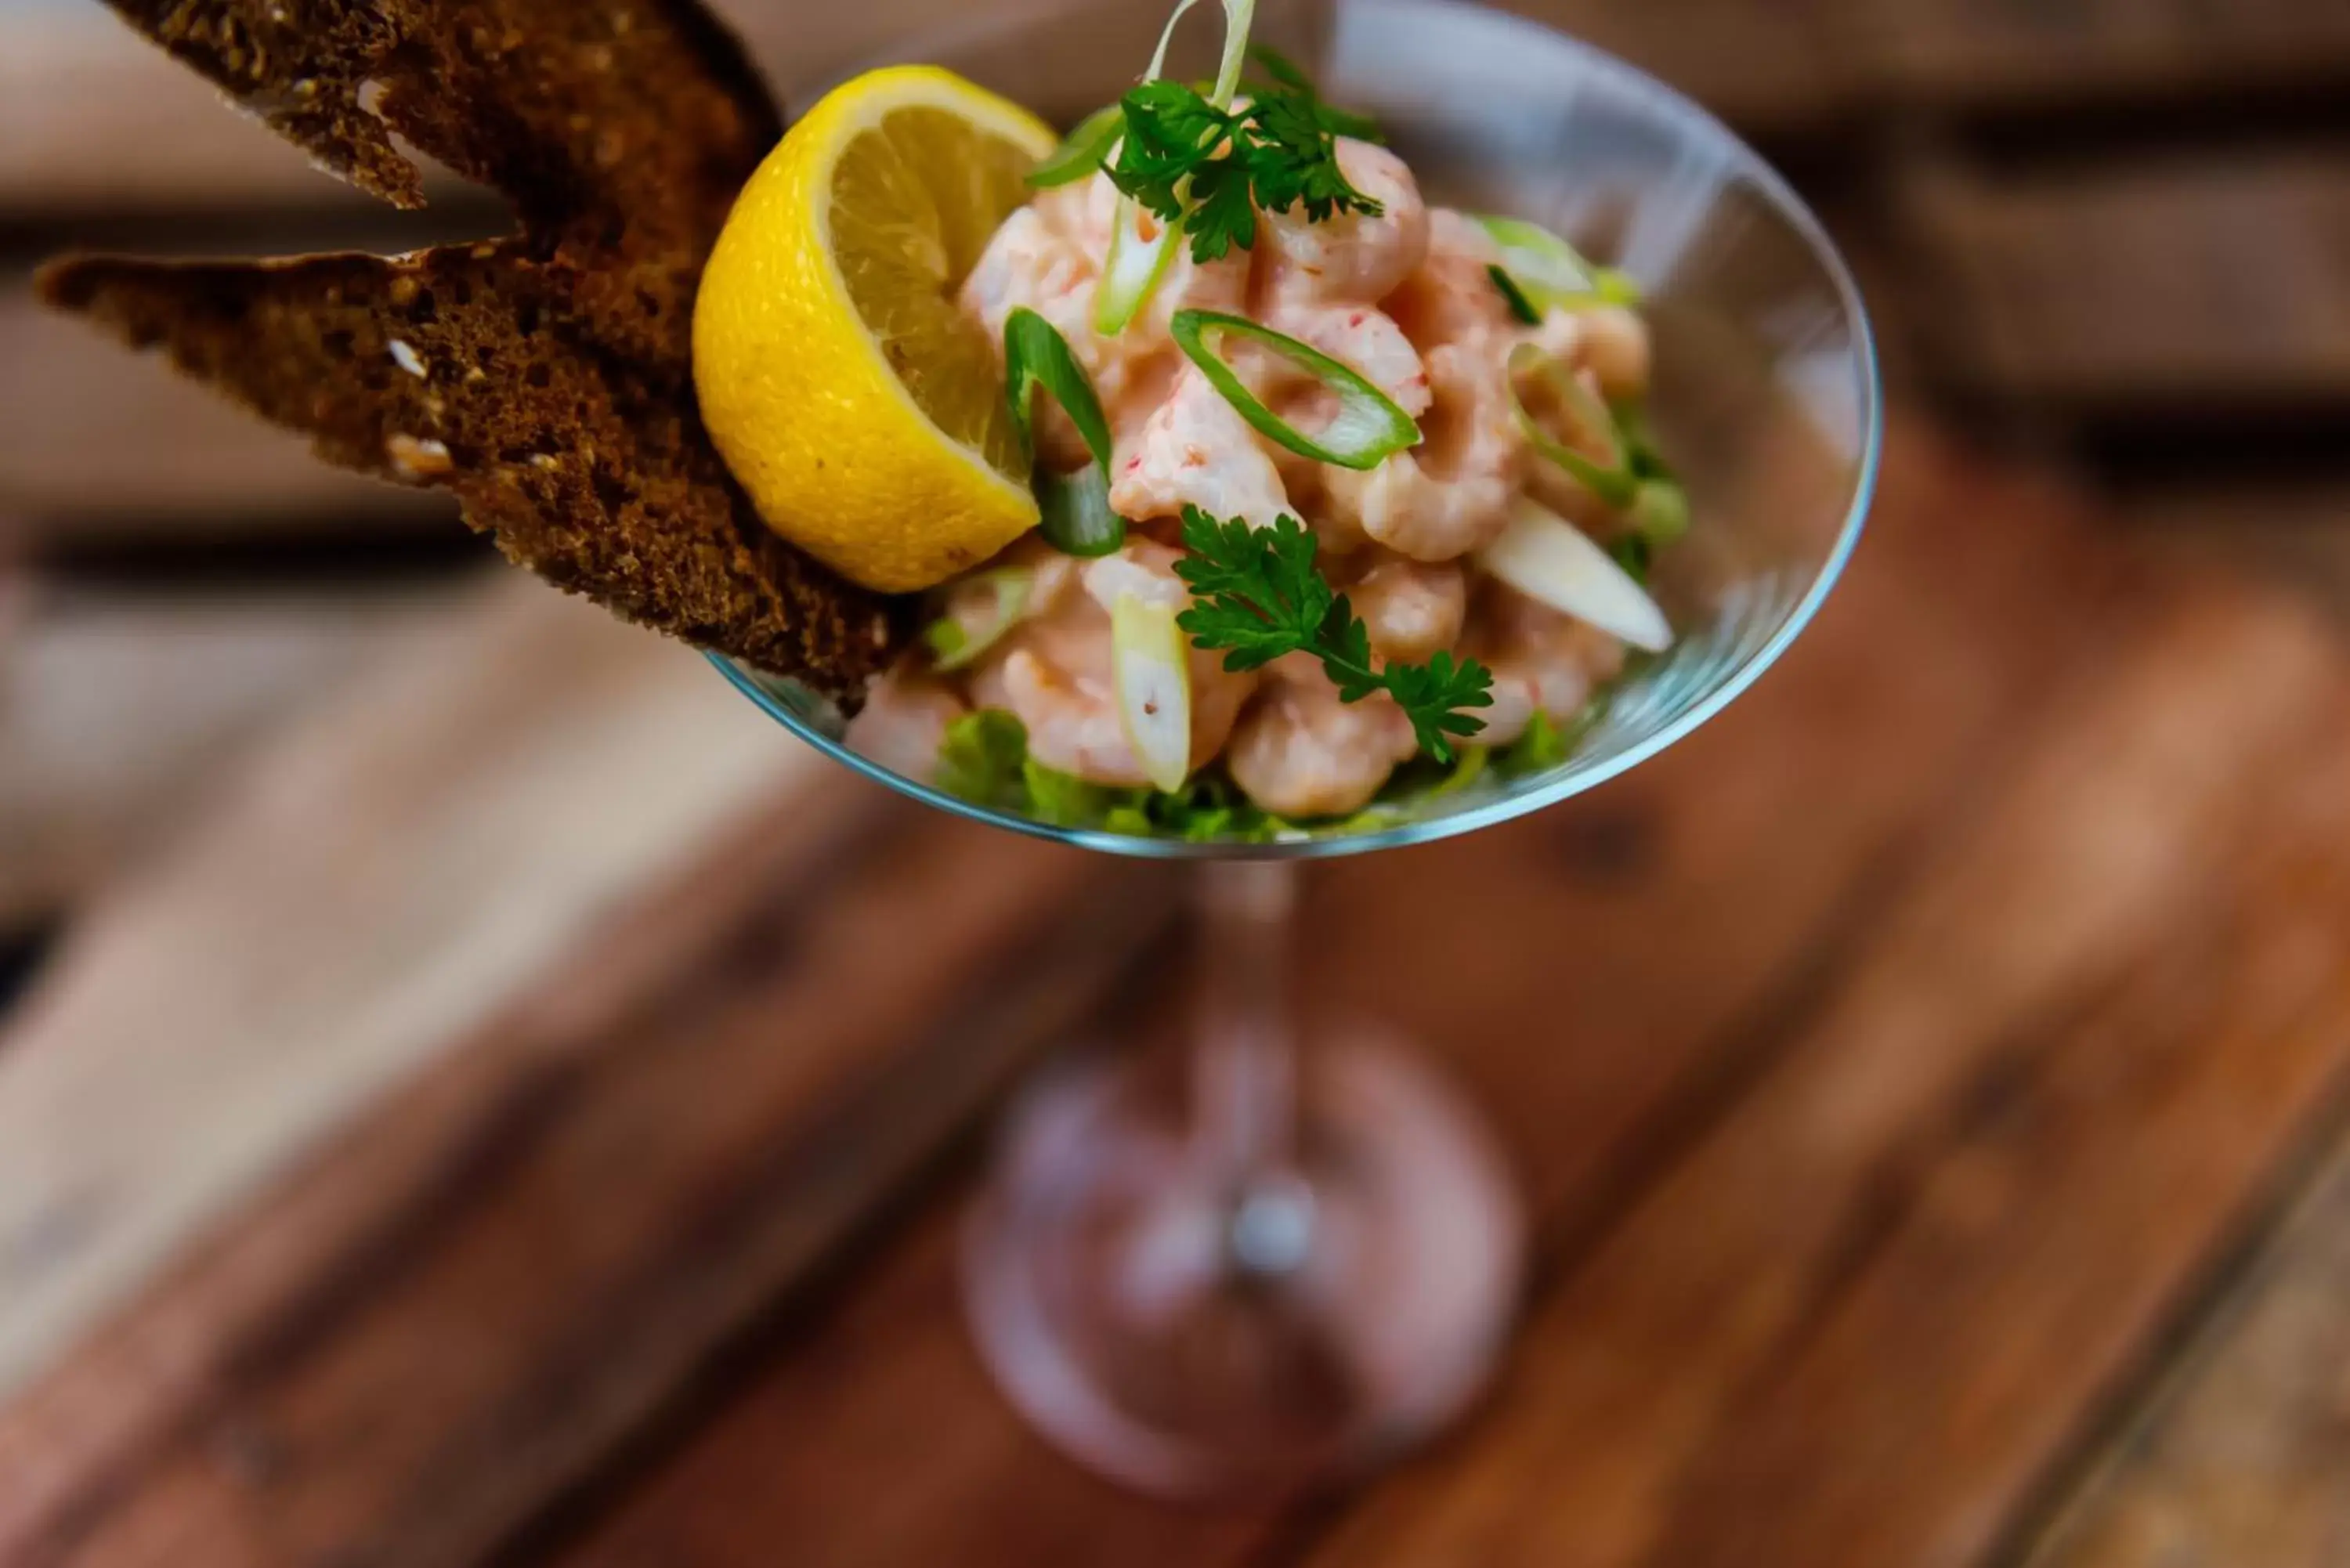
(1258, 595)
(1185, 159)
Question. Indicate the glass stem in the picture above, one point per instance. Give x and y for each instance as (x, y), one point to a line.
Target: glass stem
(1244, 1059)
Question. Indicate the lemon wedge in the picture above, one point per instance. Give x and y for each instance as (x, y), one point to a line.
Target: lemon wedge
(861, 409)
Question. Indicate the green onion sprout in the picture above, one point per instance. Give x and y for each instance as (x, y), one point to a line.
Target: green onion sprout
(1370, 427)
(1077, 515)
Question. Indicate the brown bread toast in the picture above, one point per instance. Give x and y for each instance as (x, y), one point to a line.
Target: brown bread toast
(543, 379)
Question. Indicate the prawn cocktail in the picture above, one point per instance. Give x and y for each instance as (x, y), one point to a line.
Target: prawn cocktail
(1338, 496)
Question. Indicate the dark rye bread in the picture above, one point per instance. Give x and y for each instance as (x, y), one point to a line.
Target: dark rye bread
(455, 367)
(545, 380)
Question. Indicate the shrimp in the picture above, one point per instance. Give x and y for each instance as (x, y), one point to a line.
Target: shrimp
(1616, 350)
(1356, 335)
(1047, 257)
(1190, 284)
(904, 721)
(1197, 450)
(974, 602)
(1451, 494)
(1450, 297)
(1411, 609)
(1359, 337)
(1543, 661)
(1351, 257)
(1056, 675)
(1300, 752)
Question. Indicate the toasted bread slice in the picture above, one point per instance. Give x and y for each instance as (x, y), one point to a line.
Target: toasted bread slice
(545, 380)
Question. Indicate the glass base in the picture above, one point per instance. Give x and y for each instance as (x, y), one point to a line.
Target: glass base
(1192, 1332)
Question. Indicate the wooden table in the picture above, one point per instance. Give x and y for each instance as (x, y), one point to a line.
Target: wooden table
(1930, 1083)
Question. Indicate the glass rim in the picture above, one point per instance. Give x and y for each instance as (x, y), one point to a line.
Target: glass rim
(1569, 778)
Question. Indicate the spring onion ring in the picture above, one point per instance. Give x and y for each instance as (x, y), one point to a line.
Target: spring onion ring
(1371, 426)
(1077, 519)
(1609, 475)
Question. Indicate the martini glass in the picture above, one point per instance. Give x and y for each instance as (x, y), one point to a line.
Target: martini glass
(1276, 1260)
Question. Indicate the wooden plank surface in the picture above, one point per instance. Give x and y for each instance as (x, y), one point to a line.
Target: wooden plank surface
(120, 712)
(1969, 998)
(2244, 1459)
(2291, 531)
(493, 1282)
(95, 440)
(2184, 280)
(92, 119)
(426, 845)
(2011, 1128)
(1850, 994)
(1995, 53)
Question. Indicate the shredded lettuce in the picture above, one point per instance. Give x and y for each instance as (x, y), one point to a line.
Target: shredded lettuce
(1547, 743)
(1542, 746)
(982, 758)
(1066, 801)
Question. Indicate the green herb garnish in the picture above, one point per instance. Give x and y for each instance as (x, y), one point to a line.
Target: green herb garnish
(1285, 75)
(1257, 595)
(1188, 160)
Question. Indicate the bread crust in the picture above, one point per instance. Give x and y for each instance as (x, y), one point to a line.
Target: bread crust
(545, 378)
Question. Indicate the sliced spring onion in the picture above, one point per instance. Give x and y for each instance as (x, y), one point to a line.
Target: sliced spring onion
(1136, 266)
(1240, 16)
(1515, 297)
(1076, 517)
(1151, 669)
(983, 608)
(1037, 356)
(1608, 475)
(1166, 38)
(1082, 154)
(1371, 428)
(1076, 514)
(1617, 286)
(1660, 512)
(1552, 273)
(1547, 558)
(1541, 261)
